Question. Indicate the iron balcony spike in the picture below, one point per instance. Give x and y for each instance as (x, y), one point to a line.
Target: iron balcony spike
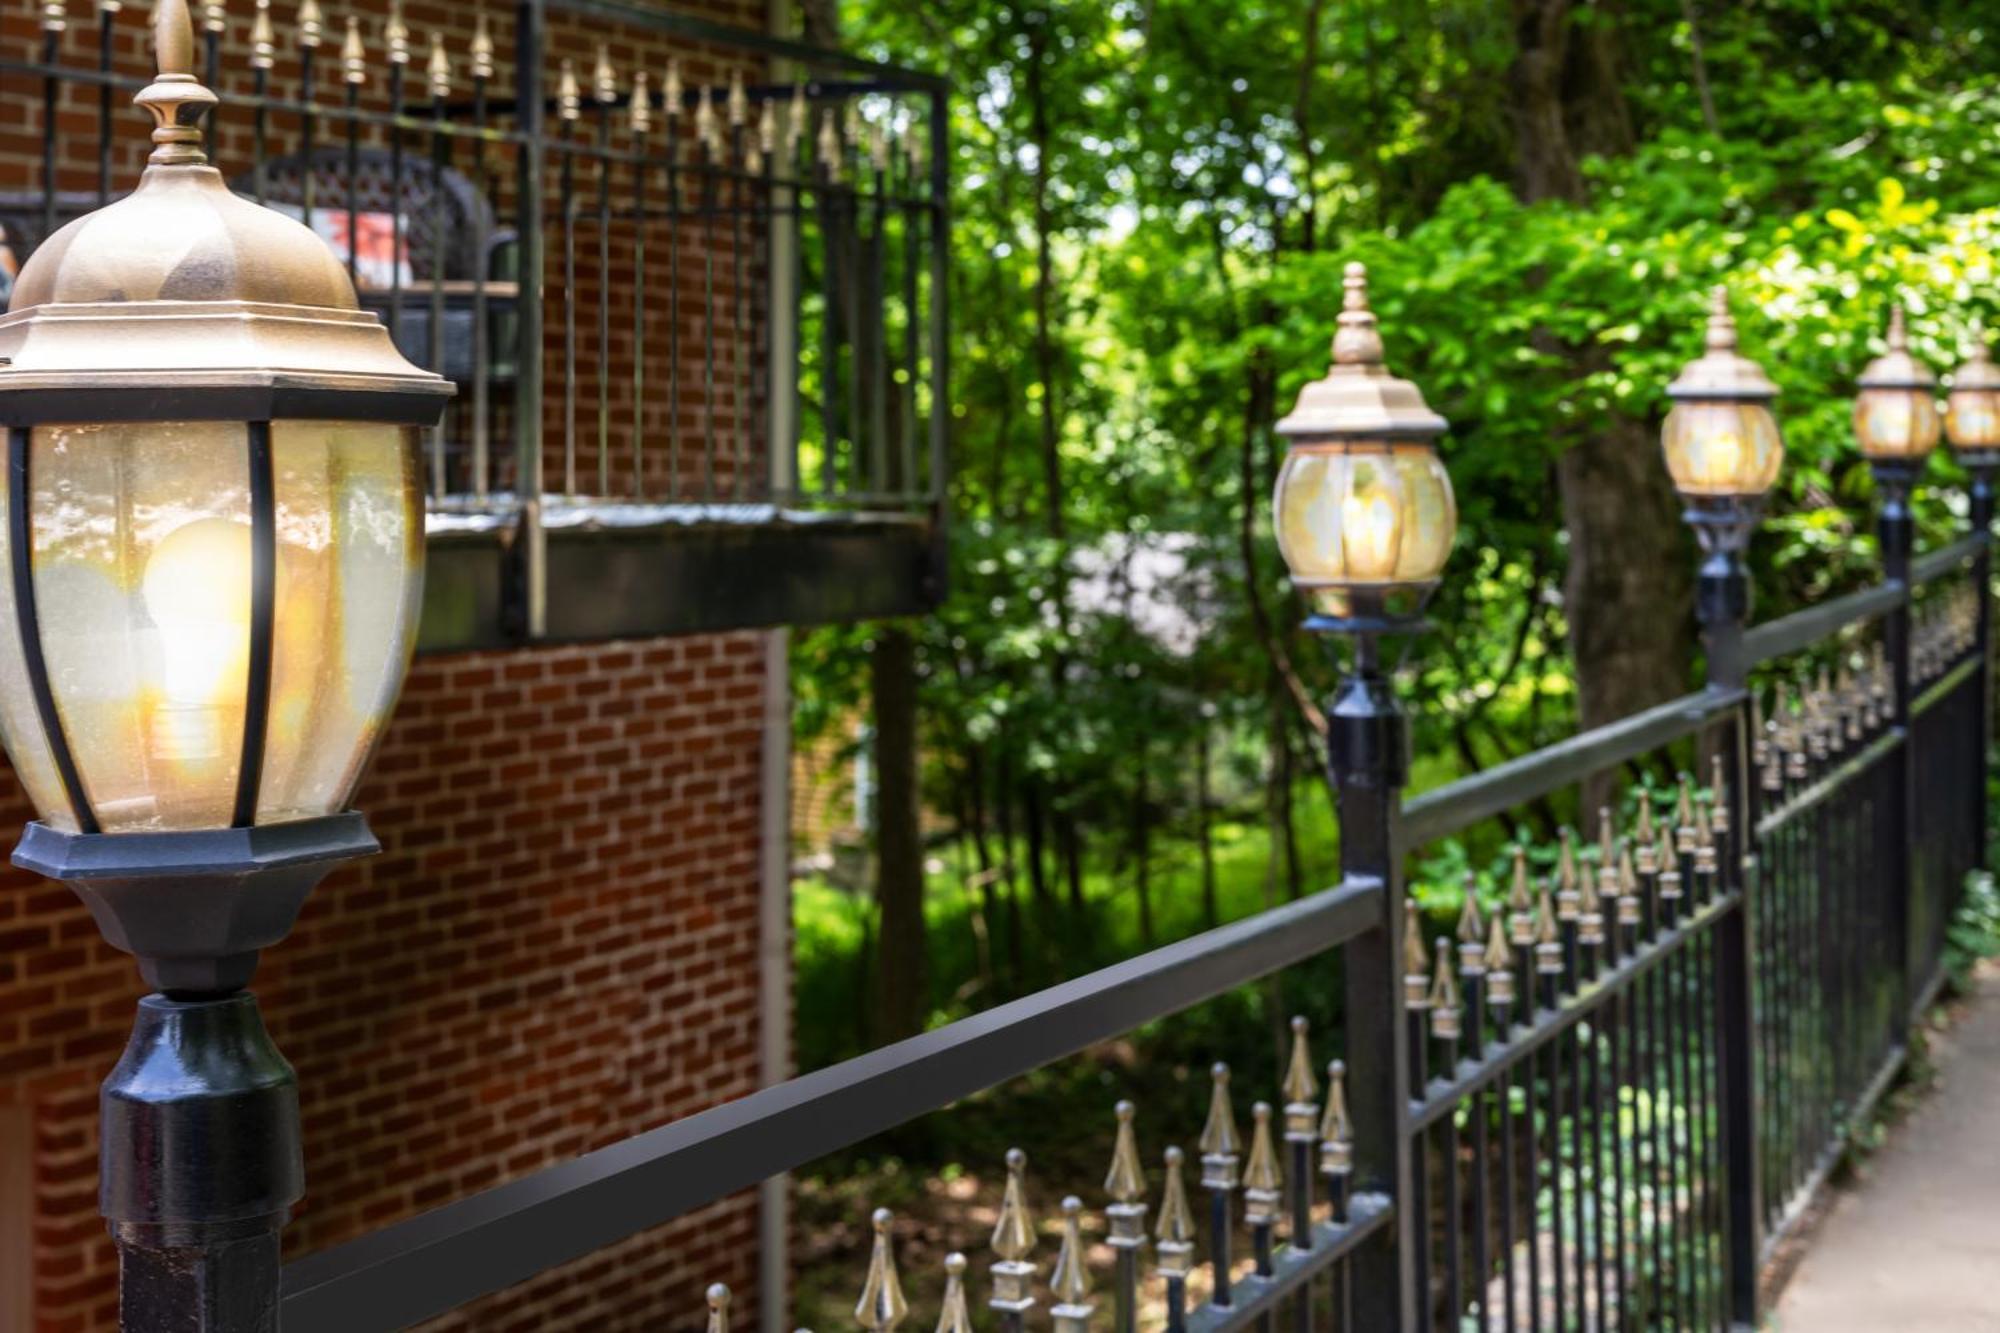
(1628, 889)
(1220, 1144)
(263, 38)
(396, 34)
(1718, 814)
(437, 69)
(1445, 1007)
(569, 94)
(1668, 882)
(1013, 1241)
(797, 118)
(1070, 1282)
(1643, 831)
(881, 1306)
(753, 160)
(603, 77)
(1300, 1088)
(1263, 1180)
(482, 48)
(1126, 1184)
(850, 126)
(1590, 908)
(1548, 943)
(1416, 963)
(1684, 835)
(1174, 1231)
(1566, 878)
(828, 148)
(1336, 1127)
(214, 17)
(54, 19)
(1704, 847)
(1499, 962)
(1521, 902)
(1607, 838)
(704, 124)
(672, 92)
(640, 118)
(767, 128)
(739, 101)
(1471, 931)
(718, 1308)
(311, 24)
(953, 1314)
(353, 55)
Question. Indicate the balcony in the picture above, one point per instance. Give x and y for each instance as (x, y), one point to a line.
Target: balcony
(687, 278)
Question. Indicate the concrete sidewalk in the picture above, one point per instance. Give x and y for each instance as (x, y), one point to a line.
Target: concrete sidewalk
(1916, 1245)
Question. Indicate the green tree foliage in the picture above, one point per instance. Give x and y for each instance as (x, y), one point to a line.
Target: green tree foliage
(1152, 205)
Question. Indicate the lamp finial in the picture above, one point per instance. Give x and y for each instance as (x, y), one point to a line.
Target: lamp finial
(176, 99)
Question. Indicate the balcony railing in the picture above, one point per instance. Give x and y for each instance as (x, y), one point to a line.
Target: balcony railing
(688, 280)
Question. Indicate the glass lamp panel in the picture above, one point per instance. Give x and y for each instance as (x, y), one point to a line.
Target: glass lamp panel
(142, 587)
(1972, 418)
(1368, 514)
(1721, 447)
(1430, 514)
(348, 590)
(20, 722)
(1895, 423)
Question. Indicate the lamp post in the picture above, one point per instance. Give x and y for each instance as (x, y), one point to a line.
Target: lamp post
(214, 546)
(1365, 518)
(1972, 424)
(1723, 451)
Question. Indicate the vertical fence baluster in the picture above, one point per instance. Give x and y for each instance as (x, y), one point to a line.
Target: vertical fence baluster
(1499, 965)
(604, 92)
(263, 55)
(708, 138)
(1220, 1151)
(214, 22)
(397, 34)
(1173, 1236)
(641, 124)
(354, 71)
(1125, 1217)
(1472, 973)
(1014, 1240)
(1416, 1004)
(53, 23)
(107, 14)
(1301, 1126)
(1263, 1195)
(672, 100)
(1336, 1163)
(569, 107)
(746, 445)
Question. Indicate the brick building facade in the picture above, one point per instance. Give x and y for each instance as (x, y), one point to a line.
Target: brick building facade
(560, 946)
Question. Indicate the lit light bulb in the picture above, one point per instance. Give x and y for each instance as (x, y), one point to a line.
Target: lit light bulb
(197, 590)
(1718, 459)
(1373, 532)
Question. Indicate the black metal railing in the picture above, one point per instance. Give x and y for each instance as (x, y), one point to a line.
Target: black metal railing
(680, 265)
(1607, 1089)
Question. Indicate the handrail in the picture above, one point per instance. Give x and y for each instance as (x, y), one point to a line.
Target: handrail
(1802, 629)
(438, 1260)
(1942, 561)
(1491, 791)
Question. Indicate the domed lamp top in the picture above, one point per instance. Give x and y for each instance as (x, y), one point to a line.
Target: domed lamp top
(1358, 397)
(1972, 409)
(1895, 413)
(1721, 440)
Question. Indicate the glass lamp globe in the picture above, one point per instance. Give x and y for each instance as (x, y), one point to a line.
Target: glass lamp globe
(1972, 409)
(1896, 414)
(1721, 439)
(1364, 509)
(214, 536)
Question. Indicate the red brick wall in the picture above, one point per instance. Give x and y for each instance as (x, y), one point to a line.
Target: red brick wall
(556, 949)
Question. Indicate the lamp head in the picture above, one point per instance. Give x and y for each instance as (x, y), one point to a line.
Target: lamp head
(1895, 413)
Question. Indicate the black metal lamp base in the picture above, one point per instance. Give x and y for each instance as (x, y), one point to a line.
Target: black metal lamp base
(199, 1166)
(195, 908)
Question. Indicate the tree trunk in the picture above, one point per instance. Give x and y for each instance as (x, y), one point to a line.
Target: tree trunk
(1629, 583)
(899, 863)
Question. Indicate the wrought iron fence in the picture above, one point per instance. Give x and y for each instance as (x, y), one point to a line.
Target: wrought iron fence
(1594, 1103)
(668, 263)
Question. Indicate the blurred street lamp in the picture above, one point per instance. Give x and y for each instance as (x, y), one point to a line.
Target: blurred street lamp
(1723, 451)
(214, 539)
(1972, 424)
(1896, 423)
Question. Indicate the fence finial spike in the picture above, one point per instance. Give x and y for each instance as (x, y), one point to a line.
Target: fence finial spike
(1300, 1086)
(603, 77)
(1628, 889)
(311, 24)
(827, 147)
(396, 34)
(672, 91)
(1261, 1172)
(354, 54)
(798, 117)
(1445, 1005)
(640, 118)
(263, 38)
(482, 48)
(1548, 945)
(1499, 957)
(1667, 884)
(1336, 1127)
(1521, 901)
(55, 18)
(1175, 1225)
(437, 68)
(569, 95)
(1013, 1231)
(1566, 877)
(214, 16)
(767, 127)
(881, 1306)
(1126, 1181)
(1069, 1280)
(1416, 963)
(739, 101)
(953, 1314)
(1218, 1135)
(718, 1308)
(1471, 926)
